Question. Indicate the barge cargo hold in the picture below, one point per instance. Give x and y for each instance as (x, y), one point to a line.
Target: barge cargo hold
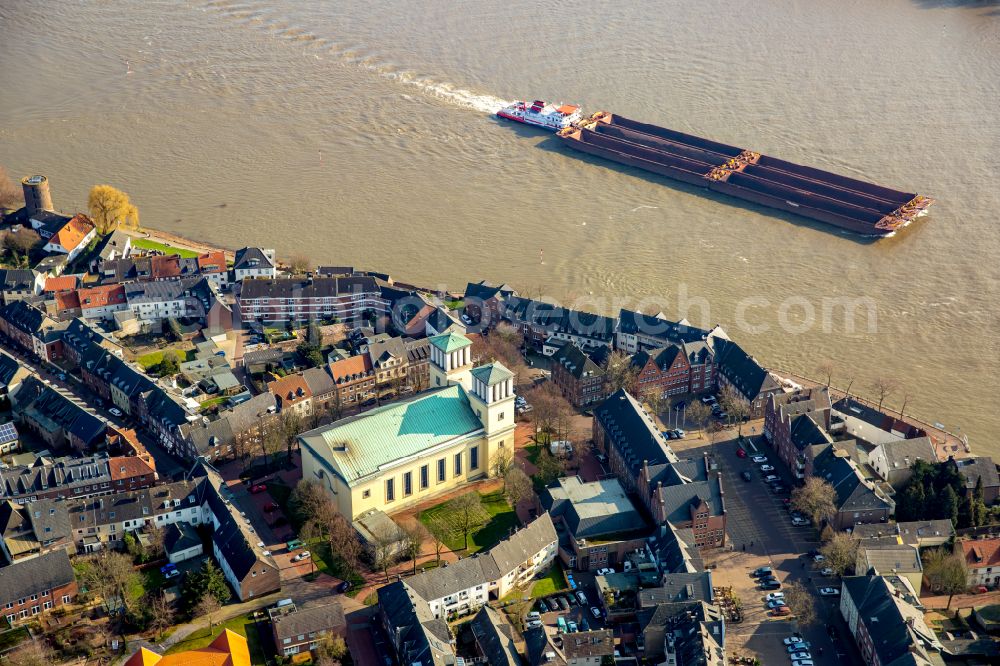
(856, 205)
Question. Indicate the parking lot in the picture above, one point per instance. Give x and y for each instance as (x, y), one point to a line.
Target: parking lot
(760, 533)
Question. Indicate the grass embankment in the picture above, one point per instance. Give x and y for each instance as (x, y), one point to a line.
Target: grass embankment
(146, 244)
(501, 519)
(240, 624)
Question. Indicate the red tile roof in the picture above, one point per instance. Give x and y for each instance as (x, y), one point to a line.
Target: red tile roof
(67, 300)
(125, 467)
(349, 369)
(73, 232)
(165, 266)
(981, 553)
(97, 297)
(212, 262)
(290, 390)
(61, 283)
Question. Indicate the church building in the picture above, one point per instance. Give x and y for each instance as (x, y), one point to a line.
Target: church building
(407, 451)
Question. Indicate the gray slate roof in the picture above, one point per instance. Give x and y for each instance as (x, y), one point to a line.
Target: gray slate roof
(495, 637)
(309, 619)
(632, 432)
(35, 575)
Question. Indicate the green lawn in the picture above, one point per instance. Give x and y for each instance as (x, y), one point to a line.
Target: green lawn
(501, 519)
(554, 582)
(212, 402)
(12, 637)
(146, 244)
(152, 359)
(453, 305)
(240, 624)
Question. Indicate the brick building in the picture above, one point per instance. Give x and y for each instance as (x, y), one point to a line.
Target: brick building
(33, 586)
(580, 379)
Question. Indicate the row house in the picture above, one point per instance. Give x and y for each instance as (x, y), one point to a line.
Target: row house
(470, 583)
(886, 621)
(12, 374)
(629, 437)
(305, 299)
(355, 379)
(635, 332)
(170, 299)
(982, 559)
(301, 629)
(748, 380)
(484, 303)
(56, 419)
(417, 635)
(239, 428)
(581, 380)
(18, 284)
(401, 362)
(547, 327)
(859, 499)
(292, 394)
(32, 330)
(33, 586)
(796, 421)
(687, 367)
(55, 478)
(892, 460)
(32, 529)
(981, 471)
(687, 495)
(102, 301)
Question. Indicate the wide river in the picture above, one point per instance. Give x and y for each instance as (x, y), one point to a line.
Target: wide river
(360, 133)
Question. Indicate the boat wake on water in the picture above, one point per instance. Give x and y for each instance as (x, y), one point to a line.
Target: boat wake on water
(258, 16)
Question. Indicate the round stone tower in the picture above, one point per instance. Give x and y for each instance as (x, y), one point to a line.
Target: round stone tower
(36, 194)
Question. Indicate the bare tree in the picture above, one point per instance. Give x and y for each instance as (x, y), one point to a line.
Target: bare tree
(309, 504)
(550, 467)
(699, 414)
(155, 536)
(800, 602)
(826, 368)
(416, 536)
(11, 195)
(299, 264)
(815, 499)
(344, 541)
(110, 576)
(840, 552)
(386, 546)
(657, 402)
(517, 486)
(30, 653)
(902, 410)
(161, 614)
(619, 373)
(439, 530)
(735, 406)
(847, 391)
(469, 513)
(500, 463)
(208, 606)
(22, 241)
(884, 387)
(947, 573)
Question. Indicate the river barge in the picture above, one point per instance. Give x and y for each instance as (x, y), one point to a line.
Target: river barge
(858, 206)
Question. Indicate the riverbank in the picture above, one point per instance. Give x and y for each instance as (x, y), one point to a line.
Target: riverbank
(948, 443)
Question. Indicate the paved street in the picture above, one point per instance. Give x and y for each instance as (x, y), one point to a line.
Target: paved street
(761, 534)
(167, 466)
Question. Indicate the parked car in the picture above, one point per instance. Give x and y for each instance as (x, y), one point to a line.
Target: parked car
(709, 400)
(173, 573)
(582, 597)
(759, 459)
(542, 606)
(533, 624)
(781, 610)
(767, 468)
(61, 376)
(167, 567)
(802, 662)
(344, 587)
(571, 627)
(801, 655)
(304, 555)
(778, 489)
(774, 595)
(533, 615)
(595, 611)
(467, 320)
(762, 571)
(680, 433)
(768, 478)
(563, 603)
(258, 488)
(295, 544)
(826, 571)
(114, 411)
(793, 639)
(747, 476)
(776, 603)
(797, 646)
(829, 591)
(741, 453)
(605, 571)
(770, 585)
(818, 558)
(799, 522)
(270, 507)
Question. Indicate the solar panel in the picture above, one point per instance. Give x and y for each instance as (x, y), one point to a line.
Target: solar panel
(8, 433)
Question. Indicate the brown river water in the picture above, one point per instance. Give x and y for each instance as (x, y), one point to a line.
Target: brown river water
(360, 133)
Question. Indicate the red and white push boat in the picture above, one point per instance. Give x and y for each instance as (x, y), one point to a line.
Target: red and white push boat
(538, 113)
